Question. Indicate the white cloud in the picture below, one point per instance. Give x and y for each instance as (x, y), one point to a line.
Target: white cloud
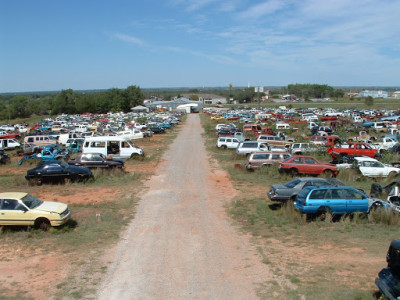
(129, 39)
(263, 9)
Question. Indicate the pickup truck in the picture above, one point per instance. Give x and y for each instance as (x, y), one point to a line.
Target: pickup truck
(9, 135)
(386, 144)
(257, 129)
(28, 149)
(237, 135)
(356, 149)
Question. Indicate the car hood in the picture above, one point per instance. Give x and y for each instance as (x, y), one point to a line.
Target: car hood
(278, 187)
(51, 206)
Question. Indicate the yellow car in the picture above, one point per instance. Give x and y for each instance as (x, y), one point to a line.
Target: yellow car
(25, 209)
(217, 118)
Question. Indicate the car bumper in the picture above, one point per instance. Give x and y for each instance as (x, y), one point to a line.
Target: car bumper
(388, 284)
(61, 221)
(274, 197)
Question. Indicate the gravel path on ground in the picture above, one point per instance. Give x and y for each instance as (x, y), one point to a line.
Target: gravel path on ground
(181, 244)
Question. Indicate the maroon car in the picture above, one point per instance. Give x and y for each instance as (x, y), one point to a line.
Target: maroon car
(96, 160)
(301, 164)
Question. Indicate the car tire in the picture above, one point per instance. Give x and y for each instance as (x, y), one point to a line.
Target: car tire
(223, 147)
(324, 213)
(328, 173)
(294, 172)
(42, 223)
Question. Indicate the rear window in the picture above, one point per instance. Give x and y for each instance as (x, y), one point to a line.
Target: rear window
(318, 194)
(303, 193)
(250, 145)
(292, 184)
(261, 156)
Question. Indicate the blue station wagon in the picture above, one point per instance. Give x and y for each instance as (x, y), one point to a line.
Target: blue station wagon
(335, 200)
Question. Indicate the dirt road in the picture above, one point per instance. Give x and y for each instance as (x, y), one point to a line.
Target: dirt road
(181, 245)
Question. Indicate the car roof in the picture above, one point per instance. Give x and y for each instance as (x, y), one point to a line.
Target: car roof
(364, 158)
(325, 187)
(270, 152)
(311, 179)
(12, 195)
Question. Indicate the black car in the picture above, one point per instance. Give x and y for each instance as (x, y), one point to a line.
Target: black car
(57, 171)
(4, 158)
(96, 160)
(388, 280)
(156, 129)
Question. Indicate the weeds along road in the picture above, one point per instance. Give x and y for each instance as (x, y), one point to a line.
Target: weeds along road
(181, 244)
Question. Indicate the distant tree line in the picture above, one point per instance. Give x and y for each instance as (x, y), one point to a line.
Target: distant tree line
(307, 91)
(70, 102)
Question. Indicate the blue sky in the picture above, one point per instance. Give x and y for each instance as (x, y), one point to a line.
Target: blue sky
(96, 44)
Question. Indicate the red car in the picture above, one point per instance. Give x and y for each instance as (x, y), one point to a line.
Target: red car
(353, 149)
(302, 164)
(328, 118)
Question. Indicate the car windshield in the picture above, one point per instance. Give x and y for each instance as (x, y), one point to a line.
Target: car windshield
(31, 201)
(292, 184)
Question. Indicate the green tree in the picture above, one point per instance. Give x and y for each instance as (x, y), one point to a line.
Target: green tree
(194, 97)
(19, 107)
(64, 102)
(134, 97)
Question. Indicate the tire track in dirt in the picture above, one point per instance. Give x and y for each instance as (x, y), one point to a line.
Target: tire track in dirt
(181, 244)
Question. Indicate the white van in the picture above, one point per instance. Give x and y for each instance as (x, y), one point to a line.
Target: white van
(40, 140)
(309, 117)
(130, 134)
(114, 146)
(9, 144)
(282, 126)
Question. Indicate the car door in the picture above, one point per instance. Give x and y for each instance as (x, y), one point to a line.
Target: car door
(335, 201)
(14, 213)
(229, 142)
(235, 143)
(355, 201)
(310, 166)
(54, 172)
(87, 160)
(317, 200)
(98, 161)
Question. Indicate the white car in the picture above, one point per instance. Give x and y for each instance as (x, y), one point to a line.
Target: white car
(371, 167)
(227, 142)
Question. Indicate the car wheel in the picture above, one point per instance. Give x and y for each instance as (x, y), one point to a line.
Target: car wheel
(32, 181)
(224, 147)
(325, 213)
(291, 201)
(136, 156)
(392, 174)
(294, 172)
(328, 173)
(376, 206)
(42, 224)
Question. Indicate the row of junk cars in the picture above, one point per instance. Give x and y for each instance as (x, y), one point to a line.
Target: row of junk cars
(370, 137)
(67, 149)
